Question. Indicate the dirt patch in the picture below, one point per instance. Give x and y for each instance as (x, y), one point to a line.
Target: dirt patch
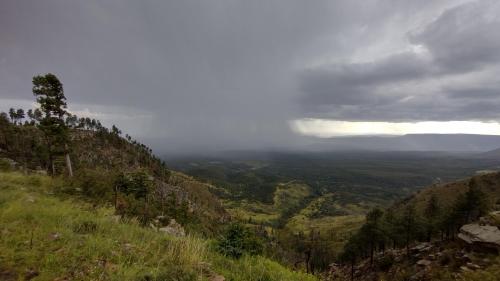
(8, 274)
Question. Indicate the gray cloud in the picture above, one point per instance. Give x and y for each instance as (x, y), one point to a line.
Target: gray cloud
(484, 92)
(352, 84)
(227, 74)
(451, 74)
(464, 38)
(215, 74)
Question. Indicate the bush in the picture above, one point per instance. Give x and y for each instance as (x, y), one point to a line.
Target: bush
(238, 240)
(445, 259)
(85, 227)
(385, 263)
(137, 183)
(96, 184)
(5, 165)
(174, 273)
(130, 207)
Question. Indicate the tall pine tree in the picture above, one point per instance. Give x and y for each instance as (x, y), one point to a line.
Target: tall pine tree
(49, 93)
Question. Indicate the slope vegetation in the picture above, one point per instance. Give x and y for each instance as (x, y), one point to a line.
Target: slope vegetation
(51, 236)
(448, 193)
(99, 157)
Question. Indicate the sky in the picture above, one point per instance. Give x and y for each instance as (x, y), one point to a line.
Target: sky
(226, 74)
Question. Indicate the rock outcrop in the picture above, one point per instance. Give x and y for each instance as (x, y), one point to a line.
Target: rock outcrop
(424, 260)
(481, 236)
(173, 228)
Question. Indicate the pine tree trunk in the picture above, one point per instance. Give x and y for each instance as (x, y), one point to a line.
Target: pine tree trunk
(51, 157)
(52, 165)
(352, 270)
(408, 243)
(308, 258)
(68, 165)
(68, 162)
(116, 196)
(408, 233)
(25, 158)
(371, 253)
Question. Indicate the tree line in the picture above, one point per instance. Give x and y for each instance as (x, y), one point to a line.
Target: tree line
(400, 226)
(41, 136)
(46, 136)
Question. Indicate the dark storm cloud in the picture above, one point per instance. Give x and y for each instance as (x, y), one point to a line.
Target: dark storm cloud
(352, 84)
(222, 74)
(464, 38)
(211, 73)
(485, 92)
(451, 74)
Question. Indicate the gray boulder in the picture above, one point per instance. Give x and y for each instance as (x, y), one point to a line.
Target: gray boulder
(481, 236)
(424, 263)
(173, 228)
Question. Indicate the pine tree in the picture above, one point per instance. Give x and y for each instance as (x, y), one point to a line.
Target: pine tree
(409, 222)
(471, 205)
(372, 230)
(12, 115)
(37, 114)
(49, 94)
(19, 115)
(431, 213)
(393, 227)
(352, 250)
(31, 116)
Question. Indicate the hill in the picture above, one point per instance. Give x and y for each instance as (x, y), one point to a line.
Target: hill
(122, 215)
(410, 142)
(491, 154)
(100, 156)
(328, 192)
(427, 236)
(46, 235)
(299, 209)
(448, 193)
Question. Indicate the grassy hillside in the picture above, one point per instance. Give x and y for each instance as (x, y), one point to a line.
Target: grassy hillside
(99, 156)
(341, 187)
(93, 150)
(448, 193)
(47, 236)
(294, 214)
(341, 183)
(424, 229)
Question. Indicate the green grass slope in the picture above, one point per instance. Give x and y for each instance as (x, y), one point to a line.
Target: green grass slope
(448, 193)
(48, 237)
(295, 212)
(99, 157)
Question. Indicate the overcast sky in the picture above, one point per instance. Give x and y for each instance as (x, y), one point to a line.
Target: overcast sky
(257, 74)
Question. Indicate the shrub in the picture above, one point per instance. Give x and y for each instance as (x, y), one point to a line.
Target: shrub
(5, 165)
(174, 273)
(238, 240)
(137, 183)
(96, 184)
(85, 227)
(445, 259)
(386, 262)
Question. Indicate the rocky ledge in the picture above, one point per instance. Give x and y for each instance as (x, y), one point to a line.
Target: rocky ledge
(483, 236)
